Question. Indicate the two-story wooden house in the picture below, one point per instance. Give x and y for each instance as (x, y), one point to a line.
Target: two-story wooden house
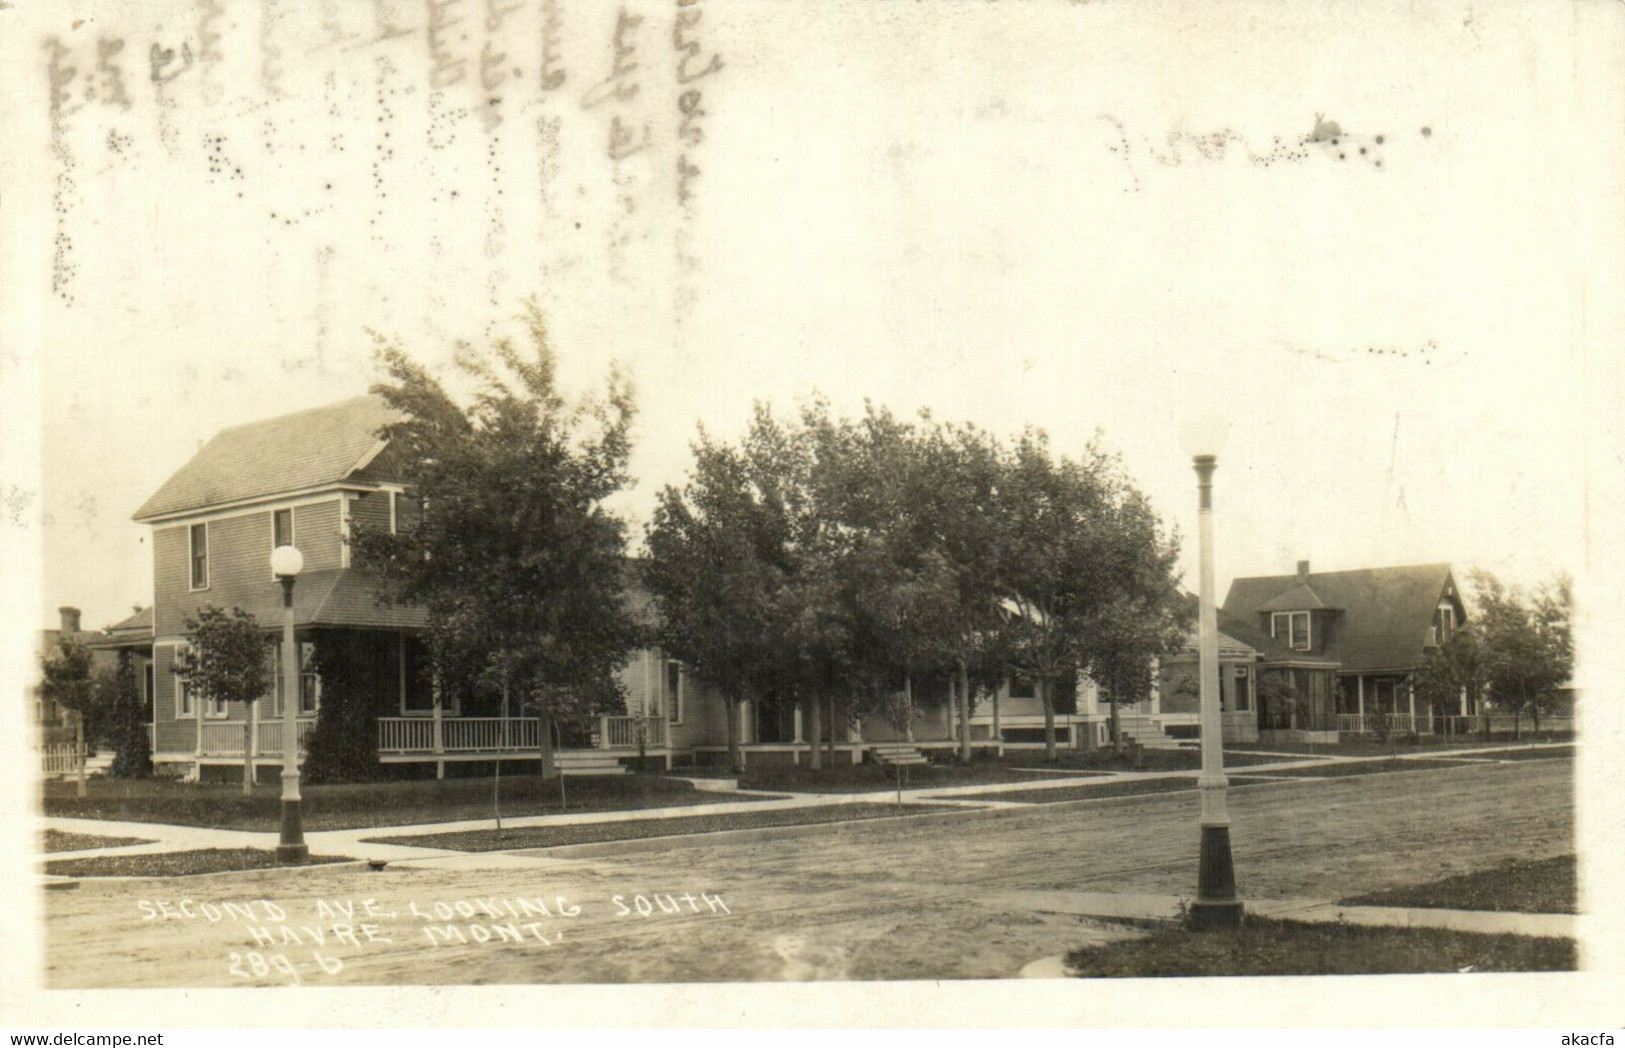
(1349, 643)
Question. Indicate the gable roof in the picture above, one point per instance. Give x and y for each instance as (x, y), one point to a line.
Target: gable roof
(288, 453)
(1386, 612)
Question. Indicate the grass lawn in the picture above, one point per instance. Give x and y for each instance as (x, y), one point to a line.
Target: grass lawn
(58, 841)
(1364, 747)
(1532, 755)
(637, 829)
(1274, 947)
(176, 864)
(845, 777)
(1517, 886)
(363, 805)
(1337, 771)
(1125, 788)
(1149, 760)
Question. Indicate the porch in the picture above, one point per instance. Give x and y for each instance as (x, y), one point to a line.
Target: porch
(403, 739)
(1430, 723)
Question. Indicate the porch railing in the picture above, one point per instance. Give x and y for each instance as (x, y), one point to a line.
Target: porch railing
(621, 733)
(1472, 724)
(226, 738)
(416, 735)
(465, 734)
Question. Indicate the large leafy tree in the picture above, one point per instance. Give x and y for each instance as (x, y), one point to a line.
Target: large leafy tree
(227, 659)
(1456, 666)
(712, 576)
(1527, 644)
(1087, 570)
(515, 556)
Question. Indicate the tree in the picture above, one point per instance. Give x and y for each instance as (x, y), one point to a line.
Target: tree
(1454, 667)
(515, 557)
(127, 723)
(228, 659)
(1527, 644)
(1087, 570)
(68, 683)
(711, 579)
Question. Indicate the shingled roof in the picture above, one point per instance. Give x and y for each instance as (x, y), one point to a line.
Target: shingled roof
(293, 452)
(1385, 612)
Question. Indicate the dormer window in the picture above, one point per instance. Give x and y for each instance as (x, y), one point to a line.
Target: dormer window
(1291, 628)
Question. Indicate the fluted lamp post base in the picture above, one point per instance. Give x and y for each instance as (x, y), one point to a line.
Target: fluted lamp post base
(1216, 905)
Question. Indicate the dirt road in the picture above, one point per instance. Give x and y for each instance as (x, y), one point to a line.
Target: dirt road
(904, 899)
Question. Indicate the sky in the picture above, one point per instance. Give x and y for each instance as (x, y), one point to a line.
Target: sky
(1370, 255)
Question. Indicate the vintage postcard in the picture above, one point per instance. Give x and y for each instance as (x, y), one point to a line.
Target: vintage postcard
(544, 512)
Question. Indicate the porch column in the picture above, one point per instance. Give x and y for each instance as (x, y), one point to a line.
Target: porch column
(603, 731)
(1359, 698)
(197, 712)
(1411, 693)
(1462, 696)
(798, 738)
(1156, 692)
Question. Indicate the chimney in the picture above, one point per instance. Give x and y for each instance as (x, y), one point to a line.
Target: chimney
(1303, 571)
(70, 620)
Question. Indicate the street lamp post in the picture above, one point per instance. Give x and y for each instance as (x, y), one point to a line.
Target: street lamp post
(1216, 903)
(286, 563)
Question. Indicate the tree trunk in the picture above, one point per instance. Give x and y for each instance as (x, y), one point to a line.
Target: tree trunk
(964, 712)
(248, 751)
(834, 722)
(1117, 726)
(908, 707)
(1042, 684)
(998, 726)
(79, 749)
(544, 729)
(736, 763)
(815, 734)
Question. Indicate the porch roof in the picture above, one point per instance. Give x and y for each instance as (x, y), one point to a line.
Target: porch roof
(340, 597)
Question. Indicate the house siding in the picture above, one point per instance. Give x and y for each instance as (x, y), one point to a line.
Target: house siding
(371, 510)
(239, 560)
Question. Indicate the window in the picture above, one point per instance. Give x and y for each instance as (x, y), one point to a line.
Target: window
(310, 690)
(200, 556)
(674, 691)
(1291, 627)
(1447, 623)
(282, 528)
(1022, 688)
(146, 698)
(1243, 691)
(183, 699)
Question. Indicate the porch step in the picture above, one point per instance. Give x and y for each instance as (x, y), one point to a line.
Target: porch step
(588, 762)
(896, 753)
(1150, 736)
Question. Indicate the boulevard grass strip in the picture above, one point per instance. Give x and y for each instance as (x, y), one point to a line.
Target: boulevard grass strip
(1263, 946)
(1106, 760)
(1337, 771)
(1516, 886)
(846, 777)
(365, 805)
(1127, 788)
(640, 829)
(177, 864)
(1548, 753)
(61, 841)
(1366, 747)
